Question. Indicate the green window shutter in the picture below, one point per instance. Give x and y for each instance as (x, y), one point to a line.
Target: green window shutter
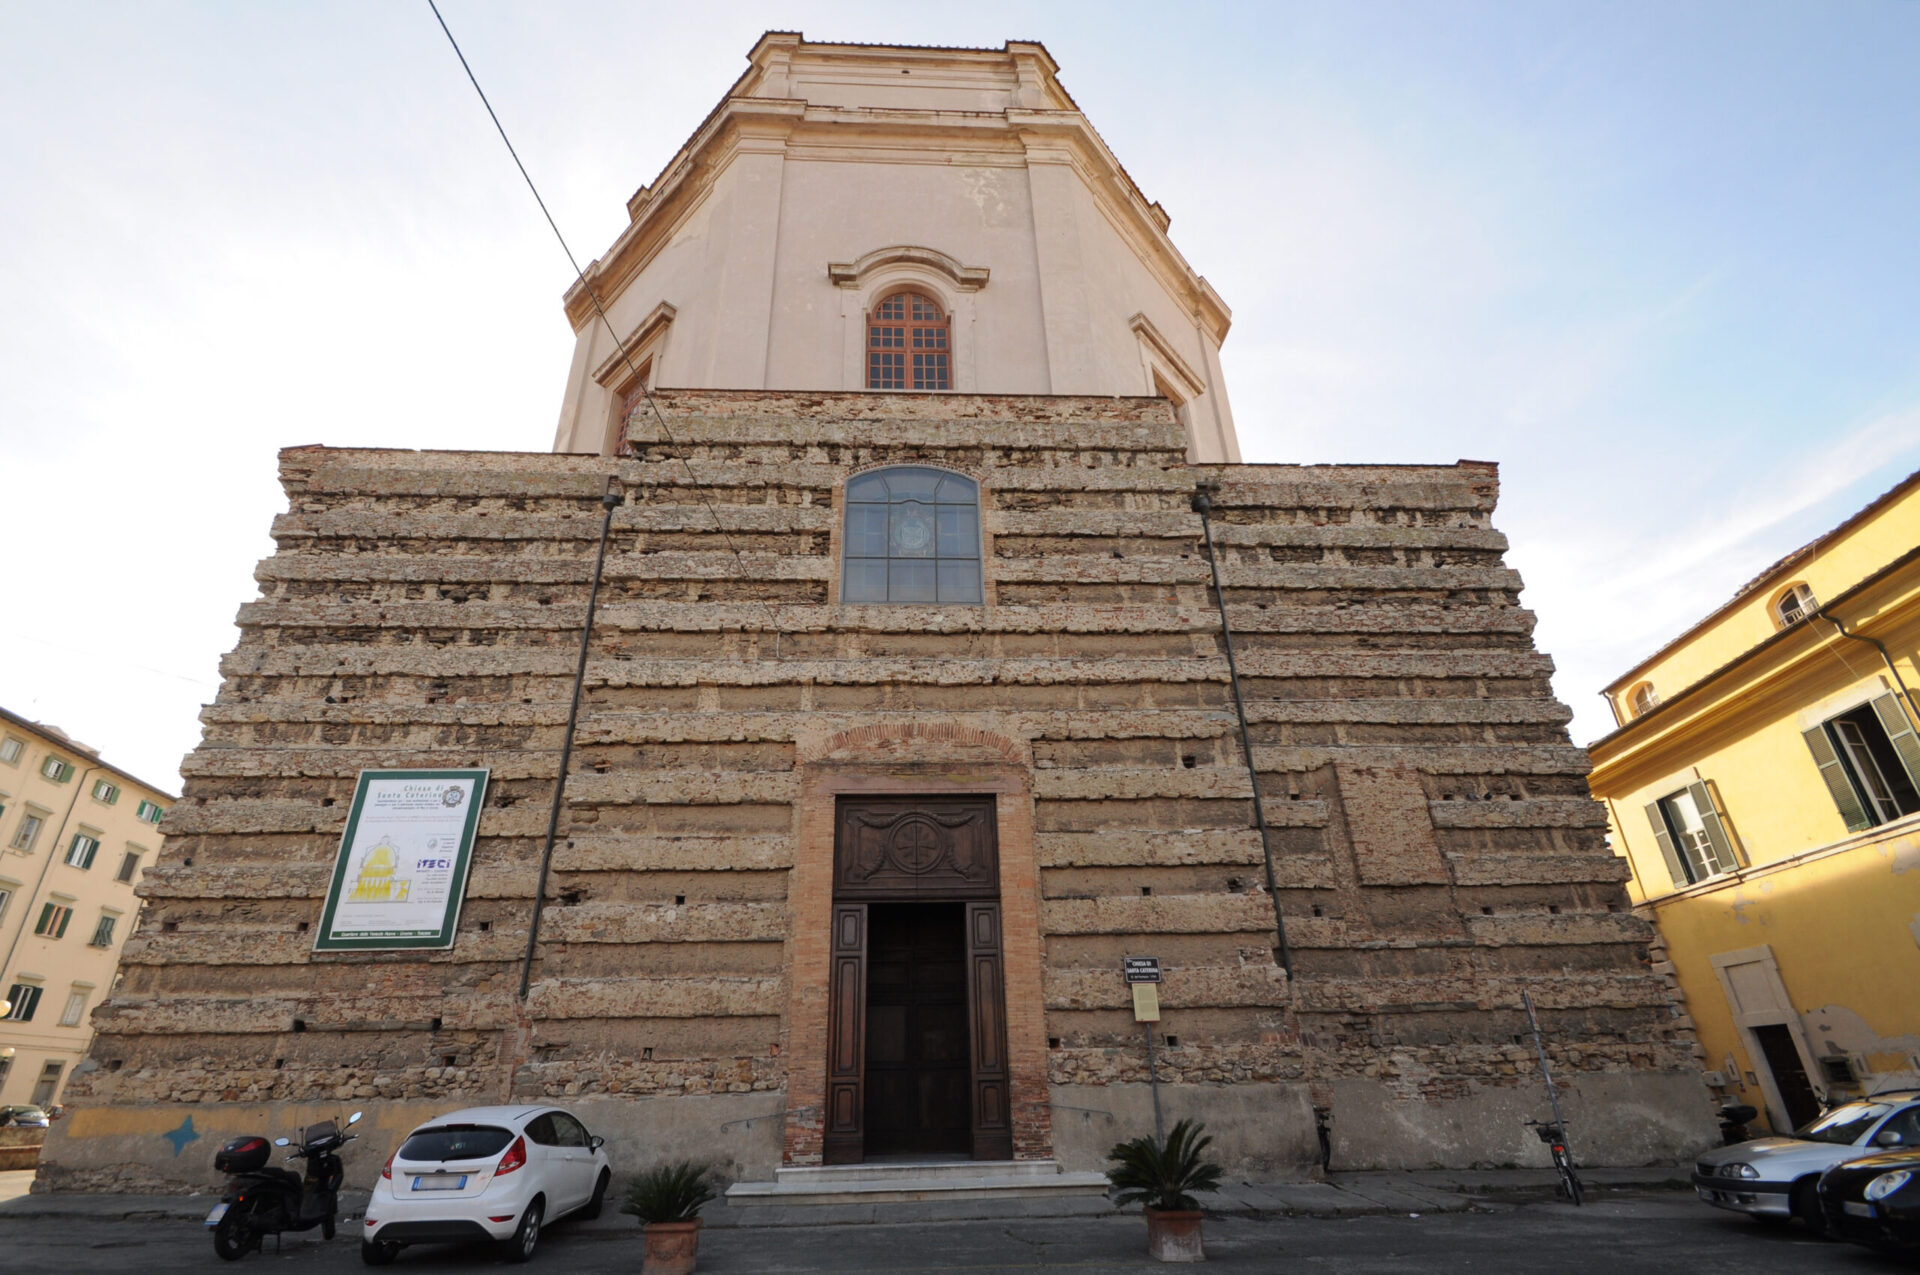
(1723, 853)
(1899, 734)
(1838, 783)
(1667, 850)
(66, 915)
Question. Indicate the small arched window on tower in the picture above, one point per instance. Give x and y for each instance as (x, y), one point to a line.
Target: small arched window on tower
(908, 345)
(912, 535)
(1795, 605)
(1642, 698)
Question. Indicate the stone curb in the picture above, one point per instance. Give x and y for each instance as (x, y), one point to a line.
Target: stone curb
(1338, 1195)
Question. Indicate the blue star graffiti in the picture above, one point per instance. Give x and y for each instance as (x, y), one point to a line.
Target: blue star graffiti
(182, 1136)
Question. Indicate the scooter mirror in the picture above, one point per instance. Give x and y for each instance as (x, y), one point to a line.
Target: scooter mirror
(279, 1142)
(355, 1117)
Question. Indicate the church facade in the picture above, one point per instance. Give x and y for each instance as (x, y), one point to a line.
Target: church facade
(906, 718)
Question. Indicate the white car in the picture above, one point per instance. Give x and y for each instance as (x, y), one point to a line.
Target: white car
(485, 1173)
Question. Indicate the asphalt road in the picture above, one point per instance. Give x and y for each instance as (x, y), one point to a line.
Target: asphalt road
(1628, 1232)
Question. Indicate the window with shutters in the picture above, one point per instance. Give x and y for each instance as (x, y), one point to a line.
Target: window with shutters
(82, 849)
(103, 931)
(57, 769)
(105, 792)
(1794, 605)
(1693, 836)
(1642, 698)
(22, 1000)
(53, 920)
(1870, 759)
(912, 535)
(149, 812)
(908, 344)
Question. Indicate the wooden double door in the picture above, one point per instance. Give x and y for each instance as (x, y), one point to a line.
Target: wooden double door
(917, 1052)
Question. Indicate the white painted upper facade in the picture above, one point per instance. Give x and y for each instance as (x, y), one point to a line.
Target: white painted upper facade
(832, 176)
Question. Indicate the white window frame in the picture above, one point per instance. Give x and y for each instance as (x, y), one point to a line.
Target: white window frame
(113, 791)
(1642, 699)
(39, 818)
(12, 749)
(35, 985)
(74, 1012)
(83, 832)
(1794, 604)
(159, 811)
(56, 769)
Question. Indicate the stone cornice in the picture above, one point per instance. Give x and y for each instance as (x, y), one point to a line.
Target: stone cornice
(1769, 682)
(849, 274)
(1193, 383)
(610, 369)
(1052, 130)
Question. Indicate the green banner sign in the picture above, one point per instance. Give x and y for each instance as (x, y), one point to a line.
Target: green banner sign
(402, 870)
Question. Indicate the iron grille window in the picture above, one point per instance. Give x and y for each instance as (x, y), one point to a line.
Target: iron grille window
(908, 345)
(912, 535)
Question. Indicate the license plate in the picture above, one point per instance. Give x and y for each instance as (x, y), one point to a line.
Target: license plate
(440, 1182)
(219, 1211)
(1855, 1208)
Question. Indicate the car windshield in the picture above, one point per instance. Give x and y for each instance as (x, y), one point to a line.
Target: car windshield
(456, 1142)
(1844, 1125)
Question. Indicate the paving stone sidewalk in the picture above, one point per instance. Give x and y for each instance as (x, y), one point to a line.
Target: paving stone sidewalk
(1337, 1195)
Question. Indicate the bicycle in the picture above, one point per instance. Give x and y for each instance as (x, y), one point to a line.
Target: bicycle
(1554, 1134)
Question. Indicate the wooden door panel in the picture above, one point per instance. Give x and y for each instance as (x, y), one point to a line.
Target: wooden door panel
(915, 848)
(987, 1015)
(846, 1034)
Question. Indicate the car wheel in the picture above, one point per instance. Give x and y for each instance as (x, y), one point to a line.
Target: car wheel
(598, 1200)
(526, 1236)
(1805, 1203)
(375, 1253)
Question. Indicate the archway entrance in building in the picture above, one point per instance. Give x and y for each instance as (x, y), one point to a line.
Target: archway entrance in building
(916, 1059)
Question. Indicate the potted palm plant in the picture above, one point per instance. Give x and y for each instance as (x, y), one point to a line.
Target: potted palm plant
(1163, 1177)
(667, 1200)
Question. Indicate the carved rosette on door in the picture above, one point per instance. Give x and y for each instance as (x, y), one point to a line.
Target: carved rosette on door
(906, 870)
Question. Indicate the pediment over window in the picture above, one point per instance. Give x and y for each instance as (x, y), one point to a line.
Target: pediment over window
(852, 274)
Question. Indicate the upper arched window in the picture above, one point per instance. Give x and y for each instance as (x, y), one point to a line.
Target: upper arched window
(907, 344)
(912, 535)
(1795, 605)
(1643, 697)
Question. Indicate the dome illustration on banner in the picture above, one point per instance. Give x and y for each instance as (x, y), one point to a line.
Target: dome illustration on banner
(376, 882)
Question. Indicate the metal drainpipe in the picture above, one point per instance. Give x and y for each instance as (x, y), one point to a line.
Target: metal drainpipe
(609, 501)
(1899, 681)
(1203, 506)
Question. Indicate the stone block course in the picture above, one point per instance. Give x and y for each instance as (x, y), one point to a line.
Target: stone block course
(424, 608)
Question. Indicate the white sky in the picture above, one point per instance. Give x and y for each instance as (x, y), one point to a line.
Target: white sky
(1657, 259)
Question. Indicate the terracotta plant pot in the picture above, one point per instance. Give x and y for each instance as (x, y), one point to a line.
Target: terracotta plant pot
(673, 1248)
(1174, 1237)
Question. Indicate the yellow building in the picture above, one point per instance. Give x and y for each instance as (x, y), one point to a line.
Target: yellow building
(1764, 786)
(76, 834)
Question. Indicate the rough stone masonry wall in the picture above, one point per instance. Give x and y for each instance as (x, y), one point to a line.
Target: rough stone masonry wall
(1437, 847)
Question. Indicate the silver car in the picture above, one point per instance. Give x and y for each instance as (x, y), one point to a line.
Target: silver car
(1775, 1178)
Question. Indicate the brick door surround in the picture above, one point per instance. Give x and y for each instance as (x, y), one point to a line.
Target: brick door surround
(912, 759)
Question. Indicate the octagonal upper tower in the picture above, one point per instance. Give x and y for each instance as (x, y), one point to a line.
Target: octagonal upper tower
(874, 217)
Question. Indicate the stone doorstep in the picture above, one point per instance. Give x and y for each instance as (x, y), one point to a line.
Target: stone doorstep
(907, 1183)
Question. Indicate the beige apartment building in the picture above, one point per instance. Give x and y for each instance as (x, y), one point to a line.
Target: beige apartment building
(76, 833)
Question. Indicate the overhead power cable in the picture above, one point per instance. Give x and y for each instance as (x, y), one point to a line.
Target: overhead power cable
(620, 346)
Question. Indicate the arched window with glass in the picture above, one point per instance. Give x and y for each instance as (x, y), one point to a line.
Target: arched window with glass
(912, 535)
(908, 345)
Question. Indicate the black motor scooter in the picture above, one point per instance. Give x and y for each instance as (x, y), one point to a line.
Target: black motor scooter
(261, 1200)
